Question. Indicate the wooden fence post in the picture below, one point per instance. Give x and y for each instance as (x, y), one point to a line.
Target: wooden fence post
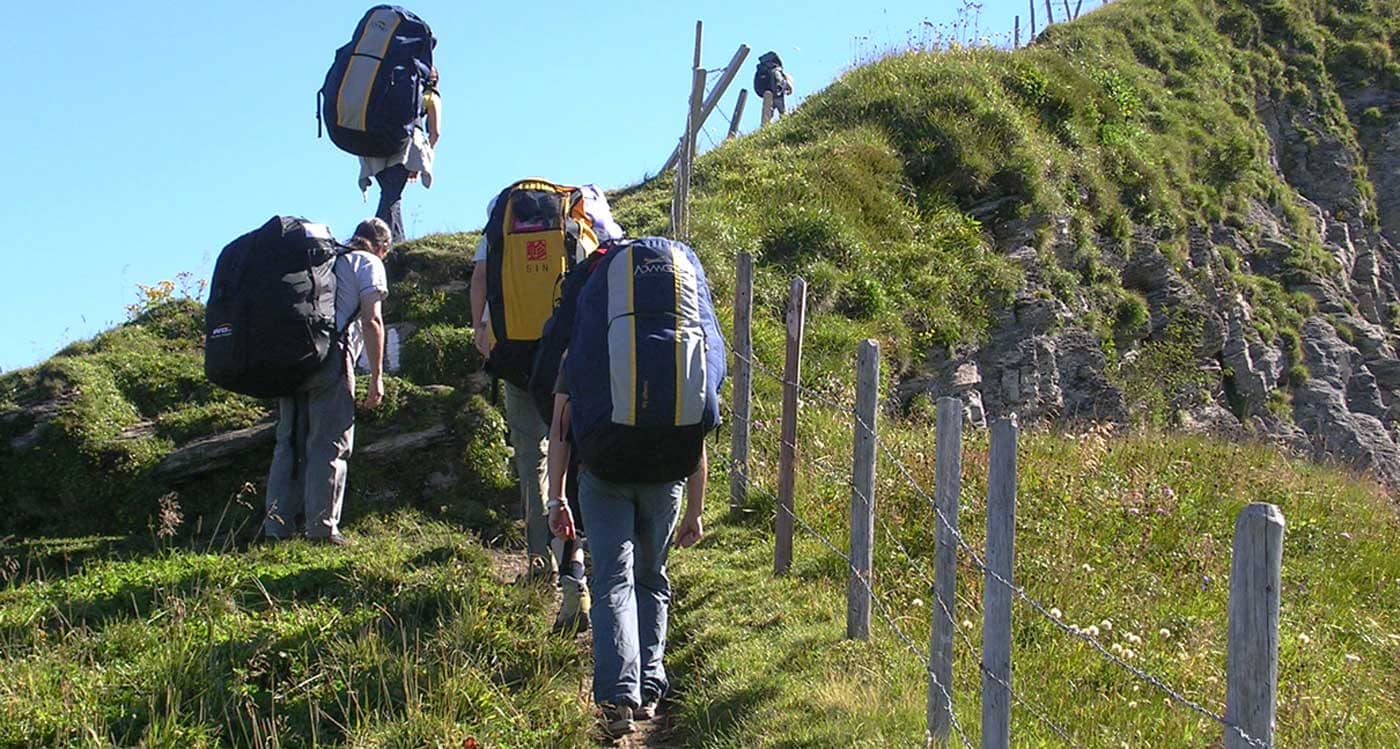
(1049, 15)
(947, 486)
(1068, 16)
(767, 115)
(787, 455)
(1251, 674)
(1032, 2)
(743, 387)
(738, 113)
(712, 98)
(680, 197)
(1077, 6)
(1016, 36)
(858, 593)
(996, 595)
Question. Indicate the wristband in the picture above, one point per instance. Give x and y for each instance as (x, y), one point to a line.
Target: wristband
(554, 504)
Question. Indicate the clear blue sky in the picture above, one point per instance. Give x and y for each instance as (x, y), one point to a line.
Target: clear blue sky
(140, 137)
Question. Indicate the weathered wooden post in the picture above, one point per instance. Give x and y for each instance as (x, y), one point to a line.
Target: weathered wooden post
(743, 388)
(1068, 16)
(712, 99)
(1077, 6)
(1016, 34)
(1251, 673)
(858, 592)
(738, 113)
(767, 115)
(996, 594)
(947, 485)
(1032, 2)
(1049, 15)
(787, 454)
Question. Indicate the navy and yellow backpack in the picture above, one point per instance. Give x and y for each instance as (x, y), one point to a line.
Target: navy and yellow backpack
(645, 364)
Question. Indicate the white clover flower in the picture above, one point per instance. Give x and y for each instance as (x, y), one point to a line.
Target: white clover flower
(1092, 631)
(1117, 649)
(1165, 633)
(967, 624)
(1128, 654)
(1056, 613)
(1106, 625)
(917, 603)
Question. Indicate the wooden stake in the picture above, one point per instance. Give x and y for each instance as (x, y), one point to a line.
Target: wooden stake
(712, 99)
(738, 113)
(1251, 675)
(1016, 37)
(767, 115)
(947, 487)
(743, 388)
(787, 455)
(858, 592)
(1049, 15)
(1032, 2)
(996, 595)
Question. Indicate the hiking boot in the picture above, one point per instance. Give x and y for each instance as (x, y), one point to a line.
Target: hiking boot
(573, 610)
(616, 720)
(647, 711)
(335, 539)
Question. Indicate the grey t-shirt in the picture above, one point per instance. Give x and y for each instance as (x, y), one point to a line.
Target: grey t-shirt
(359, 279)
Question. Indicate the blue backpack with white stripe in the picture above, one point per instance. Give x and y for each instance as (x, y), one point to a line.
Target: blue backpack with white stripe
(645, 363)
(373, 93)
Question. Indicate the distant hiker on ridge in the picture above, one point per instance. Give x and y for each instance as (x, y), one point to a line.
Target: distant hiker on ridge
(381, 103)
(770, 78)
(536, 232)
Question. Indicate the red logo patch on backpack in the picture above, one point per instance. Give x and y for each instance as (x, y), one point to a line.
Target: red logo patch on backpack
(536, 250)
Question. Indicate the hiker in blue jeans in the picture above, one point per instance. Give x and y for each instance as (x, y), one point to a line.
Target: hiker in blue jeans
(631, 529)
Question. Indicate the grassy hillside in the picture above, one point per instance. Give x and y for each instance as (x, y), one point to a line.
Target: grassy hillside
(922, 197)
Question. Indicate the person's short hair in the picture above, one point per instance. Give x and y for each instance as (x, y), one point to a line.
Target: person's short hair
(370, 233)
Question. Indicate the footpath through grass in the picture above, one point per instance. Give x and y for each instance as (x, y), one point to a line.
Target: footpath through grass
(1130, 536)
(404, 640)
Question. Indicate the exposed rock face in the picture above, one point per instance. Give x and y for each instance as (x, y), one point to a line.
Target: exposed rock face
(1332, 391)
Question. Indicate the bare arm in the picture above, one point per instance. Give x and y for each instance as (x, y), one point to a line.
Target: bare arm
(561, 520)
(435, 121)
(372, 321)
(478, 292)
(691, 529)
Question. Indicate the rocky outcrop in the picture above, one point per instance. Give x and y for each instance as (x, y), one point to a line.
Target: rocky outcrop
(1328, 387)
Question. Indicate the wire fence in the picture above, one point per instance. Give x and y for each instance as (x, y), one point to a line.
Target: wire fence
(845, 409)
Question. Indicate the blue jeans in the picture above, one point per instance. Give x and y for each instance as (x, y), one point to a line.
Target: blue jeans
(392, 180)
(629, 535)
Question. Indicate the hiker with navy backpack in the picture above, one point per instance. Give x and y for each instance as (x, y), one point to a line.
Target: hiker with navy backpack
(380, 102)
(289, 311)
(639, 393)
(772, 84)
(536, 232)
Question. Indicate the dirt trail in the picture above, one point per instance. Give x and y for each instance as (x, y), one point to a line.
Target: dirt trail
(508, 565)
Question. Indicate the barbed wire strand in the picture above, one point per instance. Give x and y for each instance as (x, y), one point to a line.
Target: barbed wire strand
(1035, 710)
(1040, 608)
(878, 603)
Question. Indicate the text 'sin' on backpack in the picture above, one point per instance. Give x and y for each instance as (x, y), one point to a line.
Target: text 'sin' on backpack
(270, 322)
(537, 232)
(372, 97)
(645, 363)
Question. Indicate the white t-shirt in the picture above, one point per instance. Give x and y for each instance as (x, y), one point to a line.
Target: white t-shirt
(359, 280)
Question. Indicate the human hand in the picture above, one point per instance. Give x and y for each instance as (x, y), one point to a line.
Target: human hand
(690, 531)
(413, 176)
(561, 520)
(375, 394)
(483, 341)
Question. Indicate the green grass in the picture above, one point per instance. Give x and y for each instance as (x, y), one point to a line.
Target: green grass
(405, 639)
(1133, 530)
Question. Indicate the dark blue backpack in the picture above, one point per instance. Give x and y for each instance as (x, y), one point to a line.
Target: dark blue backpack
(373, 94)
(645, 363)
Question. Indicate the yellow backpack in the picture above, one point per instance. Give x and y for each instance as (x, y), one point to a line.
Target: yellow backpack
(538, 231)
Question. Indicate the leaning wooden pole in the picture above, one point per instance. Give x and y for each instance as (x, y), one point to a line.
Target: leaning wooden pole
(738, 114)
(1032, 2)
(712, 99)
(787, 453)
